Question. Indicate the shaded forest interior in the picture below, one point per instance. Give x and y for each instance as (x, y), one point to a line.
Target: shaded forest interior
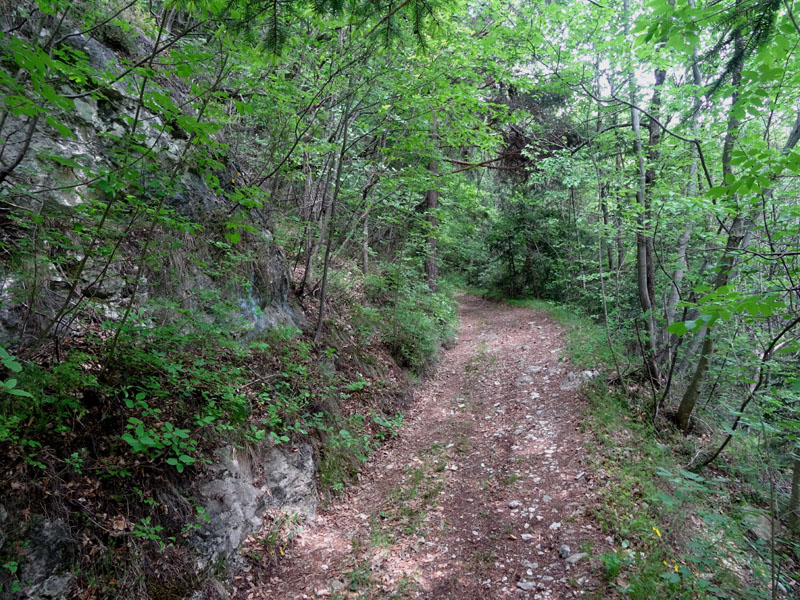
(243, 222)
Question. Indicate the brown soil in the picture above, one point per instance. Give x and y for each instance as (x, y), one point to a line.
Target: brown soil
(486, 482)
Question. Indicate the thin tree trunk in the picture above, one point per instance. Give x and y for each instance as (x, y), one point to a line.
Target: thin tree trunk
(618, 163)
(355, 220)
(620, 242)
(691, 191)
(677, 276)
(643, 269)
(334, 198)
(365, 244)
(654, 138)
(735, 236)
(606, 222)
(689, 399)
(431, 204)
(307, 210)
(793, 512)
(602, 188)
(320, 189)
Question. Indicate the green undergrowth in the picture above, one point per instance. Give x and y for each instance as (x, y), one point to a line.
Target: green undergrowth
(676, 534)
(110, 446)
(672, 529)
(414, 322)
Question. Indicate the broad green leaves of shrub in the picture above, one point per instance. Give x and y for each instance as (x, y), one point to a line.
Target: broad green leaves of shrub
(10, 385)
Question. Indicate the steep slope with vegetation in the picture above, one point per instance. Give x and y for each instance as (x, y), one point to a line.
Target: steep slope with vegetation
(231, 228)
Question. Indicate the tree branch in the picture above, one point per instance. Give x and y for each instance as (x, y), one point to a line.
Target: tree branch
(387, 17)
(764, 358)
(663, 127)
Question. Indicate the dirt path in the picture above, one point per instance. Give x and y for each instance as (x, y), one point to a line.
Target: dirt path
(484, 494)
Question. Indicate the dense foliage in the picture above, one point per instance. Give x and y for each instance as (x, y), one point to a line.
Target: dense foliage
(636, 159)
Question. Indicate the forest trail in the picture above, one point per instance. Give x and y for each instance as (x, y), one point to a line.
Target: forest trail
(478, 496)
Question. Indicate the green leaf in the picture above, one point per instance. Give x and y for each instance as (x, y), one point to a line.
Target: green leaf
(60, 127)
(9, 362)
(243, 108)
(233, 236)
(132, 441)
(692, 476)
(184, 70)
(61, 160)
(671, 576)
(677, 328)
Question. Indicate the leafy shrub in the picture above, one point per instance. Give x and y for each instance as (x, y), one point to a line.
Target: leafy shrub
(416, 323)
(366, 321)
(160, 438)
(409, 338)
(346, 447)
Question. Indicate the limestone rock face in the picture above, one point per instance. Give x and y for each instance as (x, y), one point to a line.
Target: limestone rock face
(243, 486)
(47, 560)
(58, 177)
(236, 491)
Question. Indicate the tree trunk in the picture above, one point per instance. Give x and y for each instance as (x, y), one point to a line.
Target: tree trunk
(332, 214)
(689, 399)
(365, 244)
(735, 236)
(307, 210)
(654, 138)
(677, 276)
(794, 502)
(691, 191)
(318, 194)
(602, 188)
(431, 204)
(618, 218)
(643, 269)
(606, 222)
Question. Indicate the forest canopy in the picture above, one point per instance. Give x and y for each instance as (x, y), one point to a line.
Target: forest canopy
(182, 176)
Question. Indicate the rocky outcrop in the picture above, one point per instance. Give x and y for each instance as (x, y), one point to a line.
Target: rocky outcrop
(242, 486)
(47, 557)
(62, 179)
(236, 492)
(574, 379)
